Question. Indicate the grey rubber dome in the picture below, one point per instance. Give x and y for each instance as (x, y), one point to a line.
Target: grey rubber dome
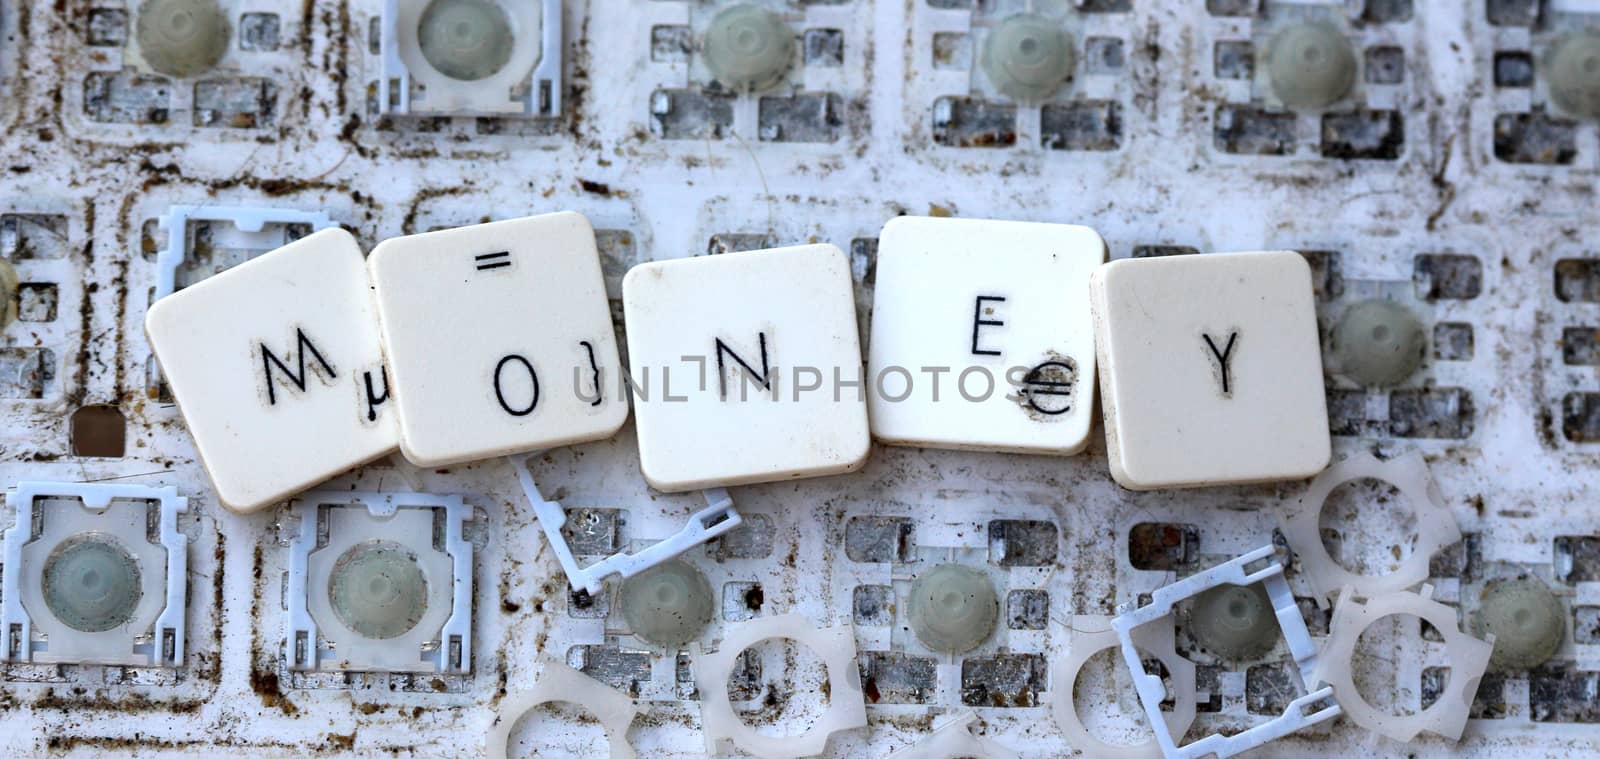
(1234, 622)
(181, 37)
(91, 584)
(748, 47)
(378, 590)
(953, 608)
(668, 604)
(1379, 342)
(1573, 74)
(465, 39)
(1526, 619)
(1028, 56)
(1310, 65)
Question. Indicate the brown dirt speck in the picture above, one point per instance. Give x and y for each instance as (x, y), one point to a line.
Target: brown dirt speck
(266, 685)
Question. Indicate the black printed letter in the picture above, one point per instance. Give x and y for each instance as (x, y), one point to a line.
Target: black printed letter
(595, 368)
(297, 376)
(978, 321)
(373, 398)
(1222, 356)
(722, 379)
(500, 394)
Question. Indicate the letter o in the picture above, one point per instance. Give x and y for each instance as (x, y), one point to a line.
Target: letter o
(500, 395)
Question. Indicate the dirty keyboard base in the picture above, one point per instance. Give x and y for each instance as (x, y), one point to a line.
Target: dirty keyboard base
(1453, 206)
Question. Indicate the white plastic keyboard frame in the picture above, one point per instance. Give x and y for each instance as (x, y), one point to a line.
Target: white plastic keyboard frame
(1167, 183)
(1164, 603)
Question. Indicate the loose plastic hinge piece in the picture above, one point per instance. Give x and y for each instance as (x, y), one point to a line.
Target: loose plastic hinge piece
(1436, 526)
(717, 518)
(1468, 657)
(835, 646)
(1257, 566)
(559, 682)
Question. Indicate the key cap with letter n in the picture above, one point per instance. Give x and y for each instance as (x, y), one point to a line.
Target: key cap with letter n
(277, 369)
(746, 367)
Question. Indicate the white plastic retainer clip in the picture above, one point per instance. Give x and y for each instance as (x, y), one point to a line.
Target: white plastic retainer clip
(1258, 566)
(716, 518)
(245, 218)
(448, 620)
(559, 682)
(1468, 658)
(535, 62)
(106, 508)
(1436, 526)
(835, 646)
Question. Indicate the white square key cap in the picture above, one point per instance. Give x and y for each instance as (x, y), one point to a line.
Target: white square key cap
(499, 338)
(746, 367)
(1210, 369)
(981, 335)
(277, 368)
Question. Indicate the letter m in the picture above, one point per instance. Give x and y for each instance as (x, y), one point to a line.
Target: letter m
(297, 375)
